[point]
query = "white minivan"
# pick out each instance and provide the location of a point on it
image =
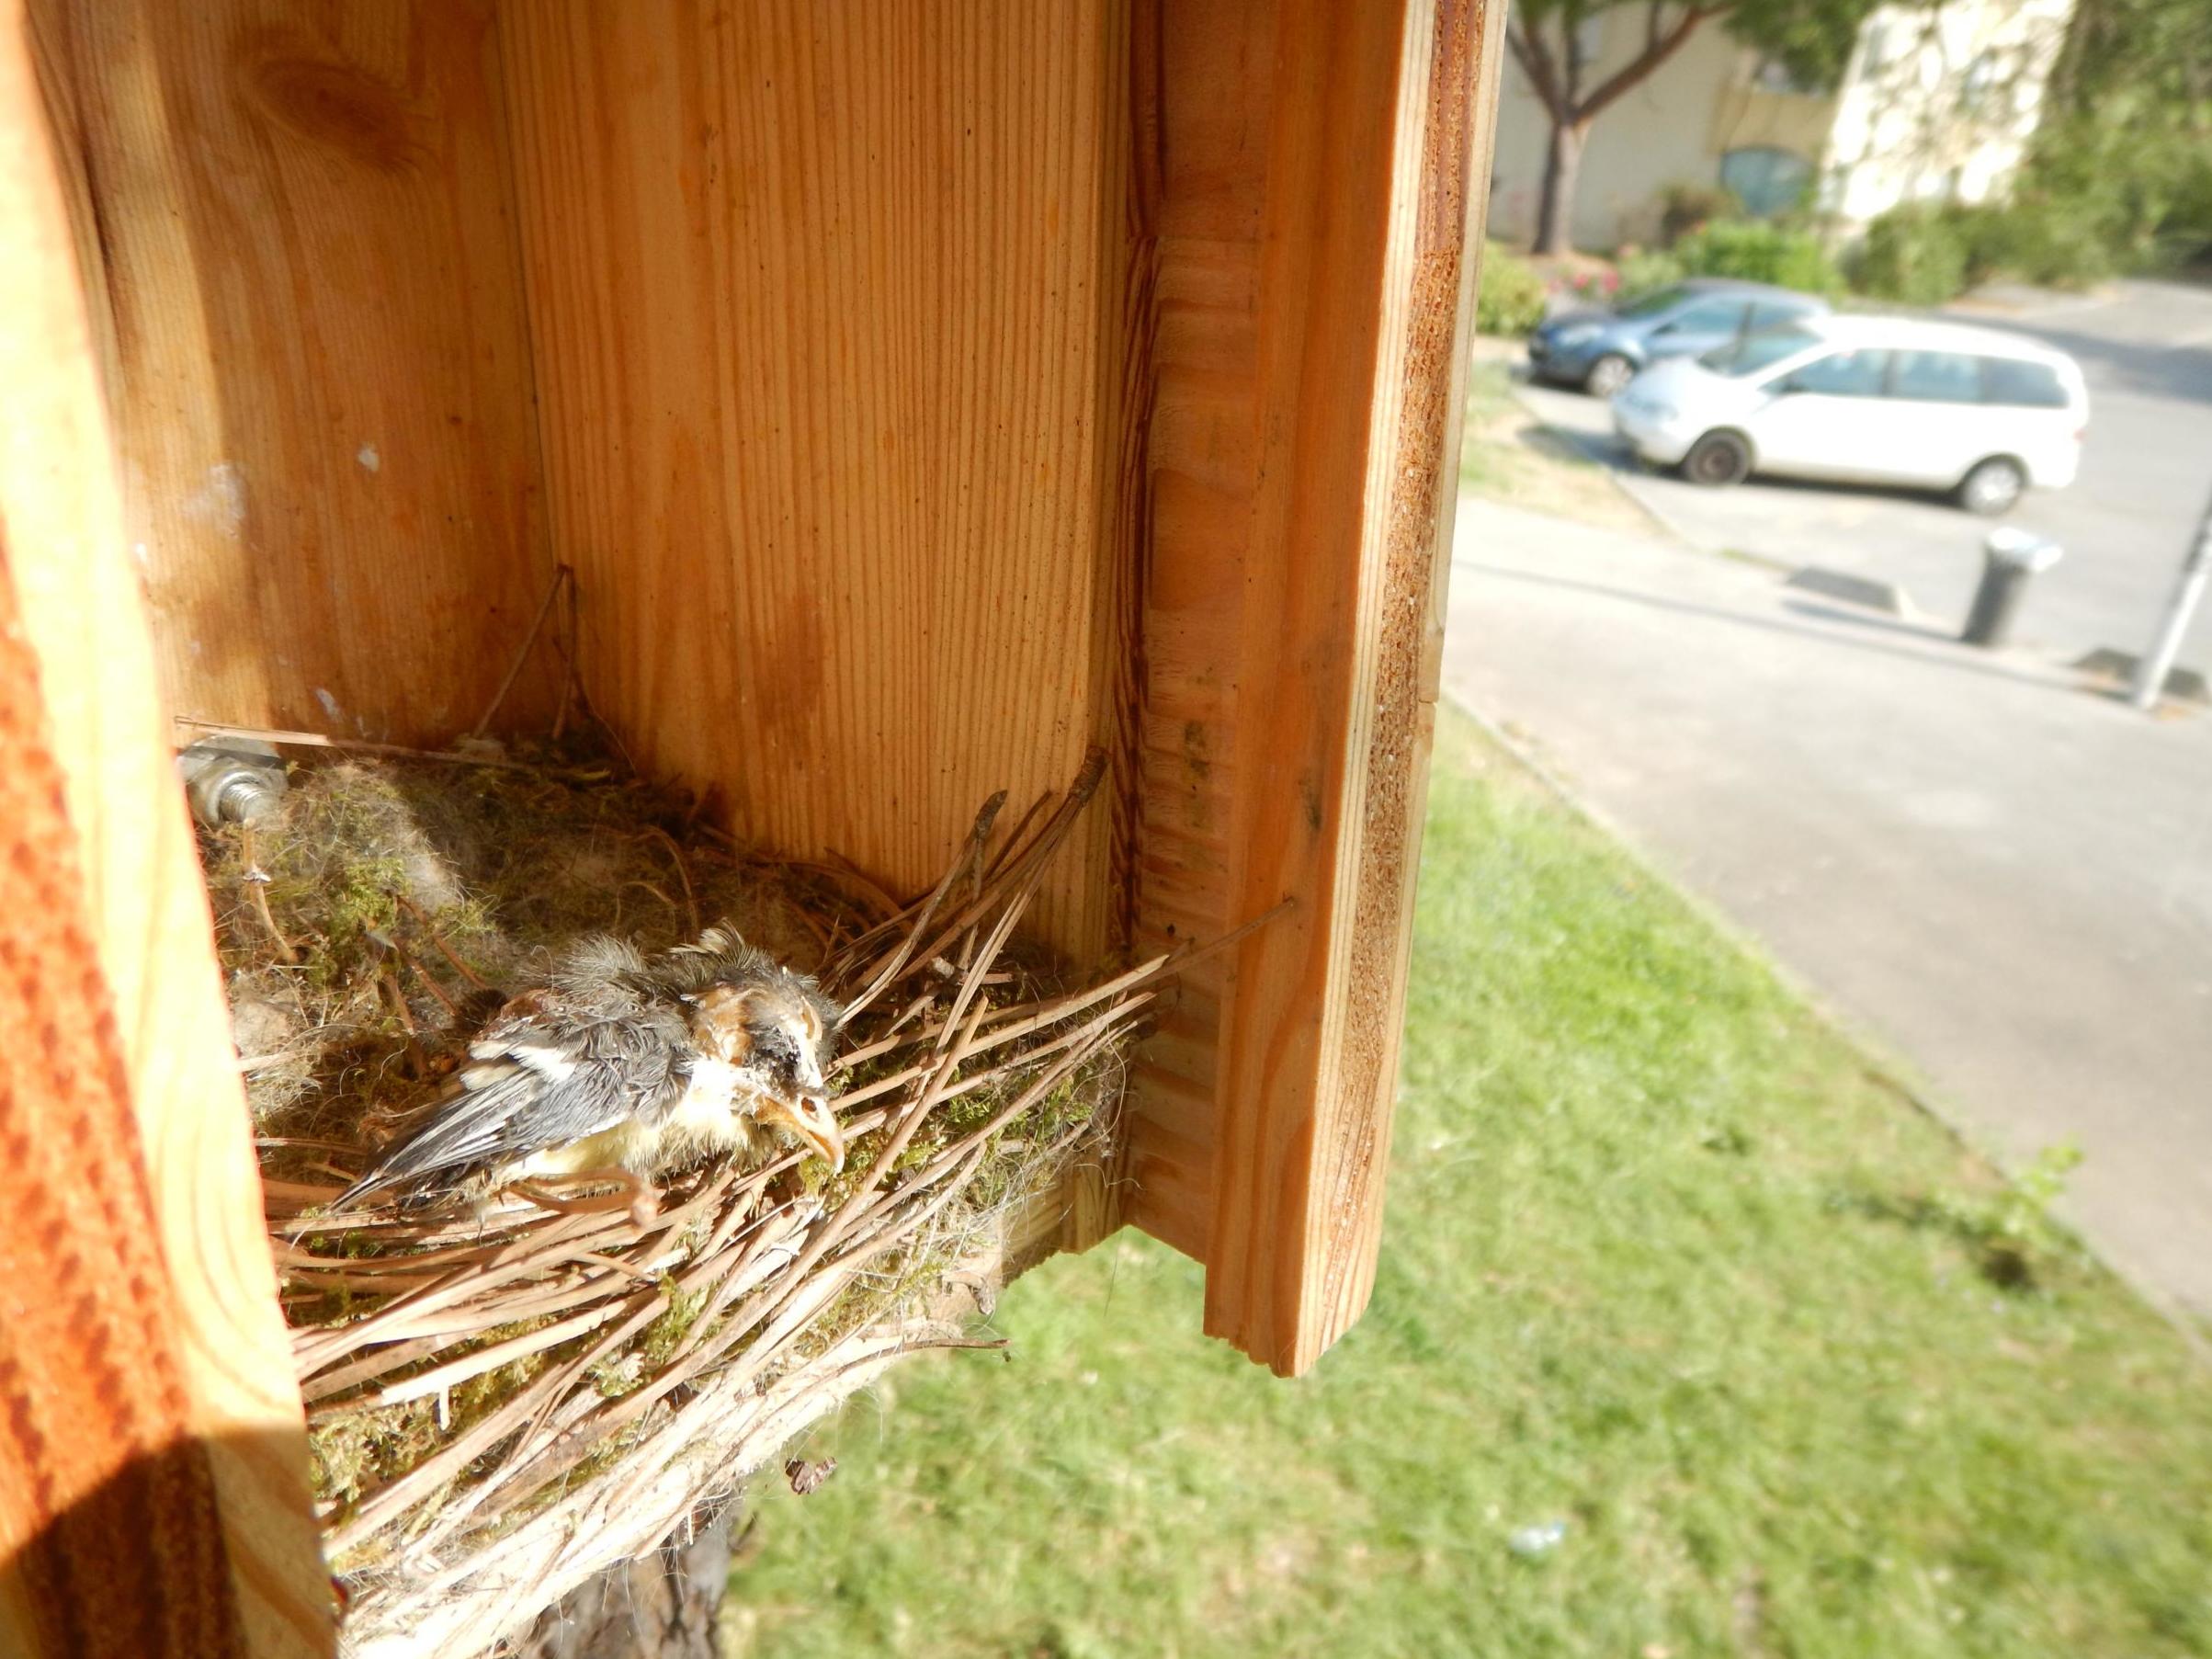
(1869, 400)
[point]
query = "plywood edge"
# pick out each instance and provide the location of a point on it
(1367, 304)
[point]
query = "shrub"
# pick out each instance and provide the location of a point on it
(1647, 273)
(1756, 252)
(1984, 231)
(1915, 253)
(1595, 285)
(1685, 208)
(2055, 242)
(1510, 299)
(1924, 255)
(2127, 186)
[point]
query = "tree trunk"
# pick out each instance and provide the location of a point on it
(663, 1607)
(1562, 164)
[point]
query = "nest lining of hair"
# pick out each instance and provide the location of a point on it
(503, 1403)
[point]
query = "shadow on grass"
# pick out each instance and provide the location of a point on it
(2009, 1241)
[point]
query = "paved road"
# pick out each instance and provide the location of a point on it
(2146, 473)
(2002, 876)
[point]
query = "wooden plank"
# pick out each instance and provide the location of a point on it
(823, 303)
(153, 1455)
(1317, 166)
(306, 283)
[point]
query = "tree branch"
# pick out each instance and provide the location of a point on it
(1535, 58)
(1663, 47)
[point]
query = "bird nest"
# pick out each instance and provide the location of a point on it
(507, 1397)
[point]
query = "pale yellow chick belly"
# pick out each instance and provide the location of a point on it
(706, 1121)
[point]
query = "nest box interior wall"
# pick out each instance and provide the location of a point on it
(296, 226)
(920, 394)
(789, 328)
(822, 306)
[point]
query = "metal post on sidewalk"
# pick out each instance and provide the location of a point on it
(2158, 661)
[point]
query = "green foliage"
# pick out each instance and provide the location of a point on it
(2056, 240)
(2121, 174)
(1510, 298)
(1755, 251)
(2126, 185)
(1922, 254)
(1915, 253)
(1647, 273)
(1684, 207)
(1811, 39)
(1614, 1291)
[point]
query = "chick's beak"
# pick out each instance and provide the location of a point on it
(811, 1120)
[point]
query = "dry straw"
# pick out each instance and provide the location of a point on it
(504, 1404)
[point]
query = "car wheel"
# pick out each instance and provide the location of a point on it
(1994, 487)
(1608, 375)
(1716, 458)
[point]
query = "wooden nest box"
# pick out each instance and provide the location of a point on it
(920, 393)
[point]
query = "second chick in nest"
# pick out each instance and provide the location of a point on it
(624, 1063)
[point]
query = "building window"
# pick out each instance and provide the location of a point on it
(1766, 180)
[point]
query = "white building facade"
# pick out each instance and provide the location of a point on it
(1935, 103)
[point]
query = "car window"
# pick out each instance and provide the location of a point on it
(2026, 385)
(1711, 317)
(1773, 313)
(1757, 351)
(1650, 305)
(1843, 374)
(1936, 377)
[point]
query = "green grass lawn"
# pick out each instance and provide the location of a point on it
(1666, 1260)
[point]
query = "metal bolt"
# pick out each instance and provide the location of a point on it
(231, 779)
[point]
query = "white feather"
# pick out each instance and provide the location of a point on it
(550, 1063)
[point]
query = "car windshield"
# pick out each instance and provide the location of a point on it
(1757, 351)
(1650, 305)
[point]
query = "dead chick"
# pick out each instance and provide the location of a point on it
(620, 1063)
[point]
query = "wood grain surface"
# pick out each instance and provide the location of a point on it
(921, 393)
(821, 302)
(1312, 215)
(153, 1499)
(305, 283)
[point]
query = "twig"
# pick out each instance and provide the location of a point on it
(561, 574)
(316, 740)
(407, 961)
(683, 874)
(444, 950)
(256, 884)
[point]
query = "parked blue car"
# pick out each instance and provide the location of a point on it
(1600, 351)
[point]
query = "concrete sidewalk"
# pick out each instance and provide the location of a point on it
(2004, 878)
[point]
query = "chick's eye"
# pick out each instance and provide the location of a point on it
(773, 1051)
